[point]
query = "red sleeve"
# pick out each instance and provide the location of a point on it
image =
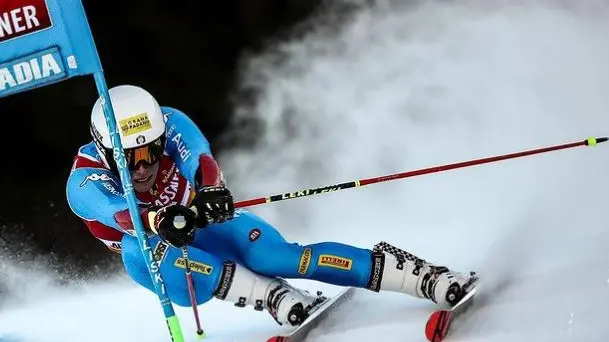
(209, 172)
(108, 235)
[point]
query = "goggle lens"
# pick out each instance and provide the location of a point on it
(148, 154)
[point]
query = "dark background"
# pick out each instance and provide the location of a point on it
(186, 55)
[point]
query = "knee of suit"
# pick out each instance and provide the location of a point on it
(274, 259)
(134, 264)
(205, 270)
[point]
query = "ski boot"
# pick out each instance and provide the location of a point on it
(285, 303)
(396, 270)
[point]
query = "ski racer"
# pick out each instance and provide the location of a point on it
(234, 255)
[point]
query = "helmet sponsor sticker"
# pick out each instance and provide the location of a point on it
(135, 124)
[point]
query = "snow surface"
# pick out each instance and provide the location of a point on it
(402, 87)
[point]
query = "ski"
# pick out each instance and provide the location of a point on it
(439, 322)
(325, 309)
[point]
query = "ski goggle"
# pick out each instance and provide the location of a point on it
(147, 155)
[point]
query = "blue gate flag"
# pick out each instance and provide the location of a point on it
(44, 42)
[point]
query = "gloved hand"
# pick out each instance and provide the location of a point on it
(214, 204)
(175, 224)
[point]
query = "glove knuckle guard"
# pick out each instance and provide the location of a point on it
(214, 204)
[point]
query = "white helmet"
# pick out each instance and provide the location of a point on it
(140, 123)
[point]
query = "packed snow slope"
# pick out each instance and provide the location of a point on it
(400, 87)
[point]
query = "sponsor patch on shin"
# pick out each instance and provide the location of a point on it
(327, 260)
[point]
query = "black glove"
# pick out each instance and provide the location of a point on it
(214, 204)
(175, 224)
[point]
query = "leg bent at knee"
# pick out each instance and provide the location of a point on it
(205, 269)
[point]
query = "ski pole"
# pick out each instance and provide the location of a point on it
(191, 291)
(362, 182)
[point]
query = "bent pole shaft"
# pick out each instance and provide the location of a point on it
(435, 169)
(191, 291)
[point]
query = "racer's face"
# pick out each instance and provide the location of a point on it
(144, 175)
(143, 163)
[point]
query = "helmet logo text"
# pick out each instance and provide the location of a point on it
(135, 124)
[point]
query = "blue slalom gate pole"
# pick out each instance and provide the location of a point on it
(134, 211)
